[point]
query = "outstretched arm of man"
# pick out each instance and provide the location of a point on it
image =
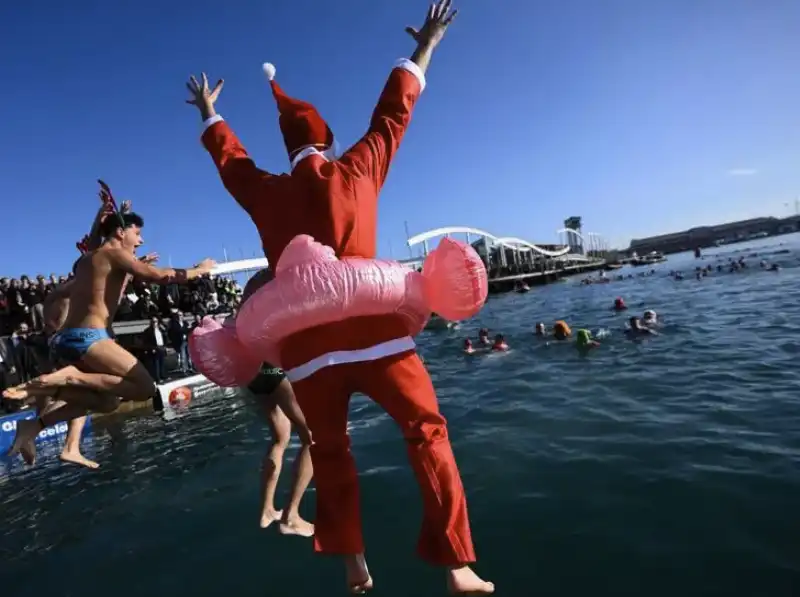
(106, 210)
(144, 270)
(237, 170)
(373, 154)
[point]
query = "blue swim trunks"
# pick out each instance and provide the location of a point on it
(68, 346)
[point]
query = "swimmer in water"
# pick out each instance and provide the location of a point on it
(637, 330)
(468, 348)
(277, 400)
(561, 330)
(483, 337)
(584, 341)
(499, 344)
(540, 330)
(97, 372)
(650, 318)
(619, 304)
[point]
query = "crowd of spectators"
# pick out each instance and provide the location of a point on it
(167, 308)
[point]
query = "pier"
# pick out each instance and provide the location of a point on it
(500, 284)
(510, 261)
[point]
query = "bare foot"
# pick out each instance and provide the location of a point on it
(24, 445)
(27, 390)
(44, 385)
(79, 459)
(296, 526)
(270, 516)
(358, 579)
(464, 581)
(56, 379)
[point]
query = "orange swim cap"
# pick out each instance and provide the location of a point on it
(562, 327)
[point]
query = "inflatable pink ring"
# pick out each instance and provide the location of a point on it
(217, 353)
(313, 287)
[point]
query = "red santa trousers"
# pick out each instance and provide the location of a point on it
(402, 387)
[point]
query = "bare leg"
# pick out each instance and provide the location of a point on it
(292, 523)
(74, 405)
(120, 374)
(273, 461)
(358, 576)
(72, 447)
(71, 376)
(282, 409)
(24, 440)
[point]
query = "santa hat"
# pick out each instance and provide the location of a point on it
(300, 122)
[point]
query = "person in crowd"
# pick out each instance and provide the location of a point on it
(178, 334)
(8, 372)
(97, 372)
(22, 353)
(154, 342)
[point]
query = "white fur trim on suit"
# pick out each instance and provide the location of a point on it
(269, 70)
(340, 357)
(213, 120)
(414, 69)
(328, 154)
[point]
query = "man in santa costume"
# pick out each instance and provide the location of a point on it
(335, 200)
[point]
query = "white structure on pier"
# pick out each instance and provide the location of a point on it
(516, 249)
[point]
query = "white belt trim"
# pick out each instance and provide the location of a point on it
(340, 357)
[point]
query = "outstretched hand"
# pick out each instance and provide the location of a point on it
(436, 22)
(202, 96)
(150, 258)
(206, 266)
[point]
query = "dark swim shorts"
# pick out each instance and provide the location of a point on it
(267, 380)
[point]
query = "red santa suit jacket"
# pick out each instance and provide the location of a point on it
(333, 201)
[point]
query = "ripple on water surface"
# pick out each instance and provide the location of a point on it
(665, 466)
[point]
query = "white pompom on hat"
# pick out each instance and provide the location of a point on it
(269, 70)
(300, 123)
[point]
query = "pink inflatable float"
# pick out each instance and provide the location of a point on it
(313, 287)
(217, 353)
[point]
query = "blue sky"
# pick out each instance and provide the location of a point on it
(640, 116)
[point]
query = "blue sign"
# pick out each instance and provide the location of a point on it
(8, 429)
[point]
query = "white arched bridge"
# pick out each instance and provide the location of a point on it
(510, 261)
(572, 247)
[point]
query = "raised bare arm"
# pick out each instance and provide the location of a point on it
(431, 33)
(143, 270)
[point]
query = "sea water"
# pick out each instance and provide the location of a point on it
(665, 467)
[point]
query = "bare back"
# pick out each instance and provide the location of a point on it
(96, 290)
(56, 307)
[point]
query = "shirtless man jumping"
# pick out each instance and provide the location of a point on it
(56, 308)
(98, 372)
(279, 405)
